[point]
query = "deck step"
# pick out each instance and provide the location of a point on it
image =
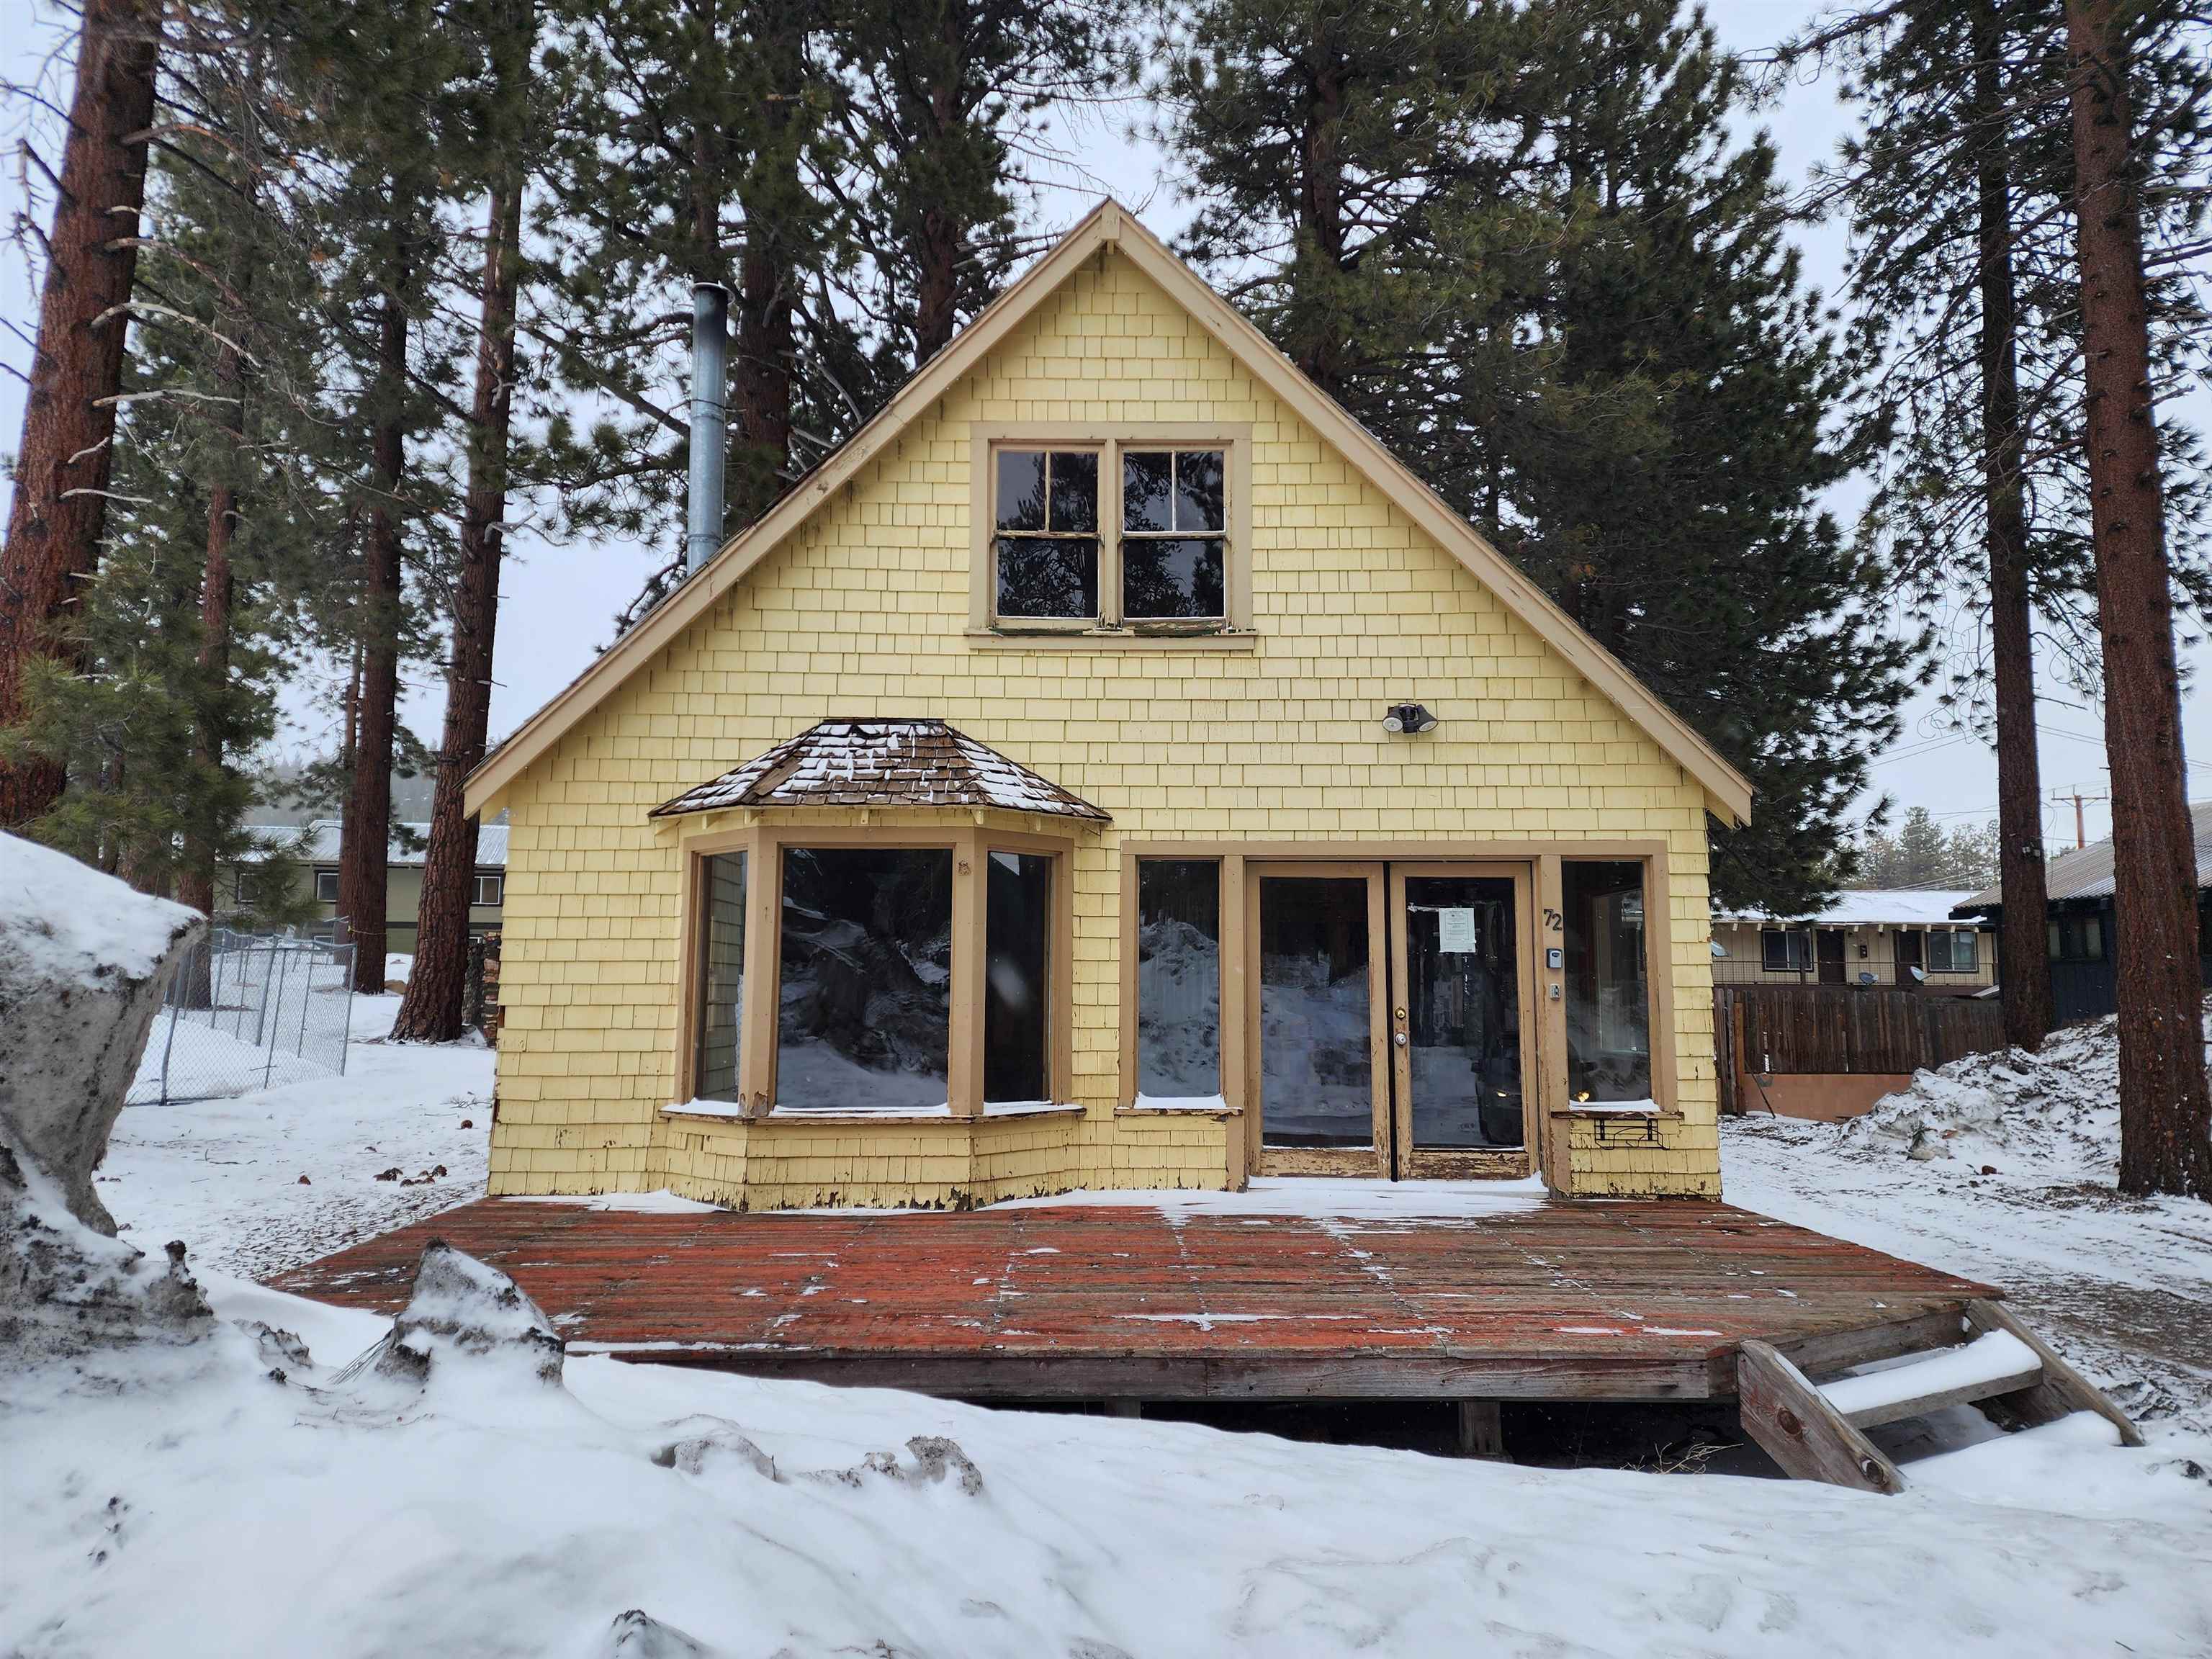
(1995, 1362)
(1815, 1432)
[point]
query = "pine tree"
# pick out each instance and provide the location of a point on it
(945, 97)
(432, 1010)
(171, 675)
(694, 148)
(2166, 1116)
(62, 467)
(1519, 244)
(379, 87)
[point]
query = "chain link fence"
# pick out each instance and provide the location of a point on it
(247, 1012)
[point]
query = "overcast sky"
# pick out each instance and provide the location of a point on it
(556, 601)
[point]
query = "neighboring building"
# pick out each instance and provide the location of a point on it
(1033, 798)
(1865, 937)
(2080, 925)
(315, 848)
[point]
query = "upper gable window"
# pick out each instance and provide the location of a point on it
(1047, 539)
(1107, 534)
(1174, 534)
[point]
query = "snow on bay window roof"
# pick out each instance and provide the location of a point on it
(883, 762)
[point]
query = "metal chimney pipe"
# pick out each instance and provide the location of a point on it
(710, 348)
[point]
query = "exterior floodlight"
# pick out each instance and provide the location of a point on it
(1408, 718)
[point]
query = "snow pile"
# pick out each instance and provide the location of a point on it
(67, 1290)
(66, 921)
(2056, 1109)
(83, 960)
(657, 1512)
(464, 1313)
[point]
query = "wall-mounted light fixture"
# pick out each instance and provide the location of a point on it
(1407, 718)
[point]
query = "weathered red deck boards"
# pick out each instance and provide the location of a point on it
(1603, 1301)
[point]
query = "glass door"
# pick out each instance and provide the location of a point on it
(1460, 989)
(1319, 1013)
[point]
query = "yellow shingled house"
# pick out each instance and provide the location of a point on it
(1111, 769)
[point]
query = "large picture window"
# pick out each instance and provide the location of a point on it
(863, 1011)
(721, 975)
(1017, 978)
(1607, 986)
(1178, 978)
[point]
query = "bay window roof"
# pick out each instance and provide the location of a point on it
(883, 762)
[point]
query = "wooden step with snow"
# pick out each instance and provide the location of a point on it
(1983, 1357)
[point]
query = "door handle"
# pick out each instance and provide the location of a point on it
(1401, 1039)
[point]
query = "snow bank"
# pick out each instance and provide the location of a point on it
(66, 921)
(2056, 1109)
(82, 962)
(219, 1511)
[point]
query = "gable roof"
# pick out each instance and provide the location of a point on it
(1110, 225)
(2086, 873)
(883, 762)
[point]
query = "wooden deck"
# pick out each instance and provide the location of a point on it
(1519, 1301)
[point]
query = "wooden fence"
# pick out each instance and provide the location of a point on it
(1786, 1028)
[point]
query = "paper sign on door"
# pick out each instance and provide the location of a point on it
(1456, 930)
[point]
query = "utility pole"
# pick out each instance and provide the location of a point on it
(2081, 823)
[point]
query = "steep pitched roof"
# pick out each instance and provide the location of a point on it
(2086, 871)
(883, 762)
(1110, 225)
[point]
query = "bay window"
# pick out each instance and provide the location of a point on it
(901, 974)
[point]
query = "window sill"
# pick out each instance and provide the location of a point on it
(1202, 1106)
(725, 1112)
(1632, 1110)
(1109, 639)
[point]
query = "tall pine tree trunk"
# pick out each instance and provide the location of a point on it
(218, 589)
(365, 836)
(1320, 213)
(432, 1010)
(2165, 1142)
(766, 289)
(64, 461)
(939, 236)
(2023, 960)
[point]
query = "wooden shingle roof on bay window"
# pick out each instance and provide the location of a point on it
(883, 762)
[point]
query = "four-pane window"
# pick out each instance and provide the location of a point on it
(1109, 536)
(1047, 534)
(1174, 534)
(1952, 950)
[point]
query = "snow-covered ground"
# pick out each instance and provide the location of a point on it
(265, 1181)
(2020, 1191)
(195, 1504)
(208, 1508)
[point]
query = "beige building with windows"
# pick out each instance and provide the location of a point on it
(313, 851)
(1111, 769)
(1903, 939)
